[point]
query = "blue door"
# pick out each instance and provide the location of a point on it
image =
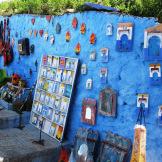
(154, 46)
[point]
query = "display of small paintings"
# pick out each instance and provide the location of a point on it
(107, 102)
(92, 39)
(58, 28)
(92, 56)
(124, 42)
(74, 22)
(160, 115)
(103, 75)
(52, 39)
(68, 36)
(77, 48)
(109, 29)
(53, 93)
(83, 28)
(104, 54)
(89, 111)
(84, 69)
(46, 36)
(142, 100)
(89, 84)
(152, 43)
(155, 74)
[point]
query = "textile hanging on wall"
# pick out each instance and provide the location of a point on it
(139, 146)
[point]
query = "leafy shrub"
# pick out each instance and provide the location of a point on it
(147, 8)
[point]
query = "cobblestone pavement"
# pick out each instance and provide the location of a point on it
(16, 146)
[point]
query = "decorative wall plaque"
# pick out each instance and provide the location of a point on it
(89, 111)
(92, 56)
(75, 23)
(83, 28)
(153, 43)
(155, 74)
(89, 84)
(142, 99)
(109, 29)
(58, 28)
(104, 55)
(84, 69)
(107, 102)
(103, 75)
(124, 41)
(68, 36)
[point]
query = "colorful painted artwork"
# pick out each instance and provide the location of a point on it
(68, 36)
(107, 102)
(104, 55)
(155, 74)
(77, 48)
(109, 29)
(89, 111)
(92, 39)
(124, 42)
(103, 75)
(83, 28)
(74, 22)
(142, 100)
(153, 43)
(53, 93)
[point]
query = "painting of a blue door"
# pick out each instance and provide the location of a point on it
(154, 47)
(124, 44)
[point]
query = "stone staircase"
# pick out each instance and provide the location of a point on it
(17, 145)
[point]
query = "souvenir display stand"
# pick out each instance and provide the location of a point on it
(53, 94)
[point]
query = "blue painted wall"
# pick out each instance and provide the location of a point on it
(127, 71)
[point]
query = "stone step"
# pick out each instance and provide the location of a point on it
(16, 146)
(10, 119)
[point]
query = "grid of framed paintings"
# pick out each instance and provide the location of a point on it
(53, 94)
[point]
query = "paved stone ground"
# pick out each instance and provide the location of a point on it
(10, 119)
(16, 146)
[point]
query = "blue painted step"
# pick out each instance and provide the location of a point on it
(10, 119)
